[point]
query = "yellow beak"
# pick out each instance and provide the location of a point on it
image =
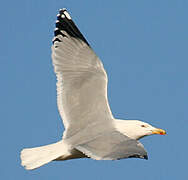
(159, 131)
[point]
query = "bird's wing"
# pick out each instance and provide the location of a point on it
(81, 80)
(112, 146)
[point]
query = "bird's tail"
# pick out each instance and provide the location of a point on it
(33, 158)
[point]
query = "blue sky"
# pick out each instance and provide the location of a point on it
(143, 46)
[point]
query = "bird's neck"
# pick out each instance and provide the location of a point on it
(126, 127)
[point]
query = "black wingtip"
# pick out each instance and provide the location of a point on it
(139, 156)
(145, 157)
(64, 23)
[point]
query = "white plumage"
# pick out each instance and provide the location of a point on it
(35, 157)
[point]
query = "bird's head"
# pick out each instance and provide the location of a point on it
(136, 129)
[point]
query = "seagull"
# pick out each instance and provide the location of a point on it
(91, 131)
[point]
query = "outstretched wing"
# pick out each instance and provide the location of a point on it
(81, 79)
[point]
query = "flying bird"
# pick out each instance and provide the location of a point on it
(91, 131)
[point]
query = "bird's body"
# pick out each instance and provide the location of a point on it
(90, 128)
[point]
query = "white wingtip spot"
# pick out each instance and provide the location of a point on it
(67, 15)
(63, 16)
(57, 21)
(58, 15)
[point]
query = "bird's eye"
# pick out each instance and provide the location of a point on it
(143, 125)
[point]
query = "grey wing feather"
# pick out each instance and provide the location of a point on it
(113, 146)
(81, 79)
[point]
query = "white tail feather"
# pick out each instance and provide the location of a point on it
(35, 157)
